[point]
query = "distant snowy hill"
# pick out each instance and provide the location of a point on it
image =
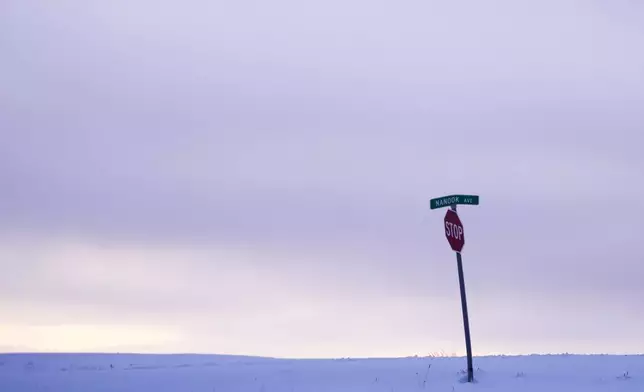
(222, 373)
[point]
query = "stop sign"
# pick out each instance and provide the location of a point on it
(454, 231)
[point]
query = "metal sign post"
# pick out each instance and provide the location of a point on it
(455, 235)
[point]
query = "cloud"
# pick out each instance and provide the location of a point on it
(274, 162)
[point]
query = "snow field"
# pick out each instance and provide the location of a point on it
(217, 373)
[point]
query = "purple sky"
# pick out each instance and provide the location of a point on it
(254, 177)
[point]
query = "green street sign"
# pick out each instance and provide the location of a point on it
(447, 201)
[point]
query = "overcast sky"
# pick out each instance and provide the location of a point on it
(253, 177)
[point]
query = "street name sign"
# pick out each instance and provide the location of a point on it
(453, 200)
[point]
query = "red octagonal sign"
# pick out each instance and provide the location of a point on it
(454, 231)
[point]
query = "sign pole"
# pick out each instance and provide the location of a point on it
(466, 320)
(455, 234)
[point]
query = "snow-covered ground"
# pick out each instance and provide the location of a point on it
(215, 373)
